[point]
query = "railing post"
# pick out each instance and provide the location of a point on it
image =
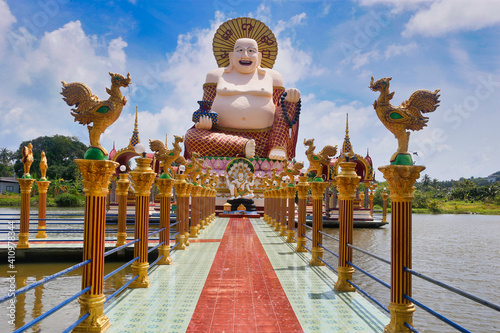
(96, 177)
(347, 183)
(142, 177)
(180, 190)
(195, 210)
(290, 194)
(187, 212)
(272, 208)
(266, 204)
(318, 188)
(401, 179)
(302, 189)
(212, 202)
(122, 186)
(372, 187)
(384, 205)
(279, 203)
(165, 190)
(283, 224)
(204, 199)
(24, 229)
(43, 186)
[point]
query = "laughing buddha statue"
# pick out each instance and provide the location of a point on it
(246, 111)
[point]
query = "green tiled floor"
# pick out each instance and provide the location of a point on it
(167, 306)
(310, 290)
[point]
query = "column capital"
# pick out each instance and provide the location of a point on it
(25, 184)
(165, 186)
(318, 188)
(43, 186)
(96, 175)
(122, 184)
(143, 176)
(401, 179)
(347, 181)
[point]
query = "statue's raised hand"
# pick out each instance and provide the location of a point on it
(204, 123)
(292, 95)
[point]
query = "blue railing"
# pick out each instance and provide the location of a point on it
(417, 274)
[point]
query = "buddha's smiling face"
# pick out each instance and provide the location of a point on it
(246, 57)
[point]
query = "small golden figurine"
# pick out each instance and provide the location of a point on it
(43, 166)
(27, 159)
(322, 158)
(407, 116)
(90, 109)
(293, 171)
(168, 156)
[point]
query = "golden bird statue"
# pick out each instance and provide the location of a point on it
(168, 156)
(27, 159)
(90, 109)
(407, 116)
(320, 159)
(43, 166)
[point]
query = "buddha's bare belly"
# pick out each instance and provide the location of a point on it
(244, 111)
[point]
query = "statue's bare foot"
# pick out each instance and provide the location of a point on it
(277, 154)
(250, 149)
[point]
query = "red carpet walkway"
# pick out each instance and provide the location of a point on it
(242, 292)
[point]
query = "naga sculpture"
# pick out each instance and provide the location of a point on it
(90, 109)
(318, 160)
(407, 116)
(168, 156)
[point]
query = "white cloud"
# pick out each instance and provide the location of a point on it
(5, 25)
(398, 49)
(447, 16)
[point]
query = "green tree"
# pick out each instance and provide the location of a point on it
(60, 151)
(6, 165)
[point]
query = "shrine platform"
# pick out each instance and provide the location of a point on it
(239, 276)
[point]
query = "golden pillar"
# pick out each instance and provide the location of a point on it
(347, 183)
(266, 204)
(43, 186)
(180, 190)
(272, 207)
(187, 214)
(276, 208)
(361, 200)
(24, 230)
(290, 195)
(122, 186)
(142, 178)
(401, 179)
(204, 205)
(384, 205)
(195, 210)
(372, 188)
(283, 224)
(318, 189)
(165, 190)
(96, 178)
(202, 223)
(279, 203)
(214, 196)
(302, 189)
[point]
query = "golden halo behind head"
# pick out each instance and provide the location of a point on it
(244, 27)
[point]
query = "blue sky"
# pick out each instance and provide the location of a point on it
(327, 49)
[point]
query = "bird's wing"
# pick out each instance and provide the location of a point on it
(158, 147)
(423, 100)
(329, 150)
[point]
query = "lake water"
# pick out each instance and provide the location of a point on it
(459, 250)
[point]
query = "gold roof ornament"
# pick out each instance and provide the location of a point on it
(244, 27)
